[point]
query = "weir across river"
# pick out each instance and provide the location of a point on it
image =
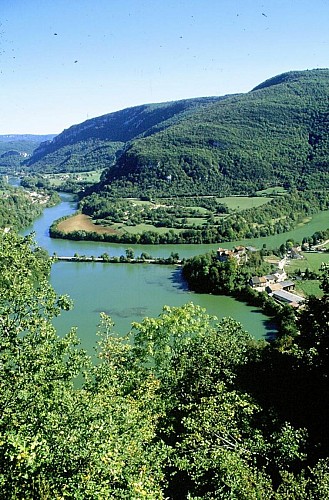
(118, 260)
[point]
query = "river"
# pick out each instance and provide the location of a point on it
(128, 292)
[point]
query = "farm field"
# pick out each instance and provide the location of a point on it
(81, 222)
(136, 216)
(311, 261)
(308, 287)
(239, 203)
(57, 180)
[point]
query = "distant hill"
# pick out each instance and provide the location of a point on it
(98, 142)
(15, 148)
(31, 138)
(276, 134)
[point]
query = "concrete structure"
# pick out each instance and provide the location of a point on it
(288, 298)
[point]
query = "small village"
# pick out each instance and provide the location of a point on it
(277, 284)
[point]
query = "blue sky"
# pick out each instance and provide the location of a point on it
(64, 61)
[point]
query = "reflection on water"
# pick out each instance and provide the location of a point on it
(128, 293)
(128, 312)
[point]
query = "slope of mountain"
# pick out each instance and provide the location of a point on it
(277, 134)
(96, 143)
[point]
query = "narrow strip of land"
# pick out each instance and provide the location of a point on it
(117, 260)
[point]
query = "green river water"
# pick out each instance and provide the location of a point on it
(129, 292)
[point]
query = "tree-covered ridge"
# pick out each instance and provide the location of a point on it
(96, 142)
(291, 76)
(85, 155)
(22, 142)
(184, 407)
(273, 135)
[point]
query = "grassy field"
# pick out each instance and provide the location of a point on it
(196, 220)
(139, 228)
(138, 202)
(273, 191)
(201, 210)
(89, 177)
(233, 202)
(272, 259)
(311, 261)
(239, 203)
(308, 287)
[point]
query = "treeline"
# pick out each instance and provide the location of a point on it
(318, 237)
(128, 258)
(184, 407)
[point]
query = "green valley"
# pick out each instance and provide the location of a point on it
(186, 158)
(164, 250)
(185, 405)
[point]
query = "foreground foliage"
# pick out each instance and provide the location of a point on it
(61, 436)
(186, 407)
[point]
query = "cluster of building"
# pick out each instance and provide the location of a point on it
(38, 197)
(277, 284)
(239, 253)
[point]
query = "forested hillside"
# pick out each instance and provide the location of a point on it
(14, 148)
(276, 134)
(98, 142)
(19, 208)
